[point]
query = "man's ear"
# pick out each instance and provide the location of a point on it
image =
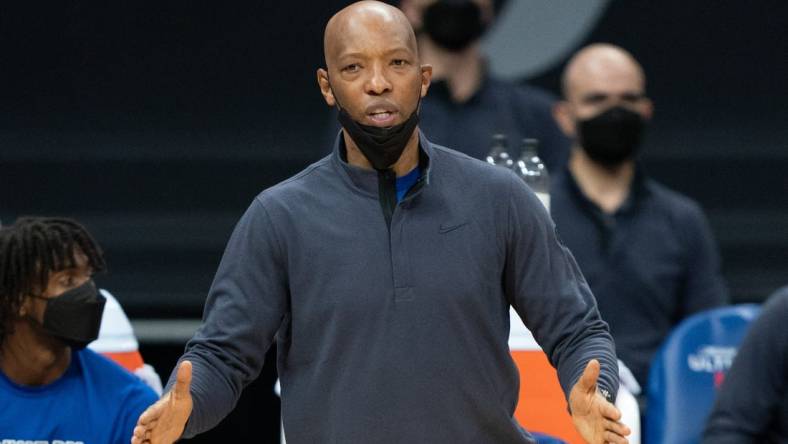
(426, 78)
(24, 308)
(562, 114)
(648, 109)
(325, 87)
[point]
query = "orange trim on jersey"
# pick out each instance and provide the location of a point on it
(131, 361)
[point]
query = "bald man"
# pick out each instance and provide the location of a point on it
(385, 272)
(646, 251)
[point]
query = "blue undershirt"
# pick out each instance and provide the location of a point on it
(405, 182)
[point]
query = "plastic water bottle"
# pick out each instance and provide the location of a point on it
(499, 153)
(531, 169)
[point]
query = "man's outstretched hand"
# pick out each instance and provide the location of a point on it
(164, 421)
(596, 419)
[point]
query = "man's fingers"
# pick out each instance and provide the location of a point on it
(139, 431)
(610, 411)
(589, 377)
(151, 414)
(183, 381)
(140, 435)
(157, 421)
(615, 438)
(617, 428)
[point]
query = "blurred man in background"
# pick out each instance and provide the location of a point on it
(752, 404)
(52, 388)
(467, 104)
(646, 251)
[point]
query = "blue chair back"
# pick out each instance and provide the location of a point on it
(687, 370)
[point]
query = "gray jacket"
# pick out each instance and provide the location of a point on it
(393, 334)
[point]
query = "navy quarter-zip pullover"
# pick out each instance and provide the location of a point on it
(398, 333)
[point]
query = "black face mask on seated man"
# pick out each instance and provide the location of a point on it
(612, 136)
(454, 24)
(74, 316)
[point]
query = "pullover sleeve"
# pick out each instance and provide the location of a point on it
(247, 303)
(545, 286)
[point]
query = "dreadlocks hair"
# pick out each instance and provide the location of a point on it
(33, 248)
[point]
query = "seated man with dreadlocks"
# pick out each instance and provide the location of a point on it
(53, 389)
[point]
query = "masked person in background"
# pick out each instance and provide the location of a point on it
(646, 251)
(467, 104)
(52, 388)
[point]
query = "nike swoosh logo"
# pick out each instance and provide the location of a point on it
(447, 228)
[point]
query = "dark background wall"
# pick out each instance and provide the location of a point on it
(156, 123)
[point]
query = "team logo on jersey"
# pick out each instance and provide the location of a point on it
(712, 359)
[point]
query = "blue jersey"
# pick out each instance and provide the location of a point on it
(94, 402)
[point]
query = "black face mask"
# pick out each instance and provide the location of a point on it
(381, 146)
(453, 24)
(75, 316)
(611, 136)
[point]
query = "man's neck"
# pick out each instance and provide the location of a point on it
(462, 71)
(28, 360)
(406, 163)
(607, 186)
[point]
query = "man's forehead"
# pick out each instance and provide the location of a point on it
(365, 28)
(608, 78)
(75, 262)
(376, 40)
(80, 258)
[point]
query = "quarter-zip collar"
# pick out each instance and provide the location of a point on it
(365, 181)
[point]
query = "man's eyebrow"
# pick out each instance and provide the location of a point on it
(398, 49)
(72, 270)
(61, 273)
(603, 95)
(349, 55)
(594, 95)
(633, 94)
(361, 55)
